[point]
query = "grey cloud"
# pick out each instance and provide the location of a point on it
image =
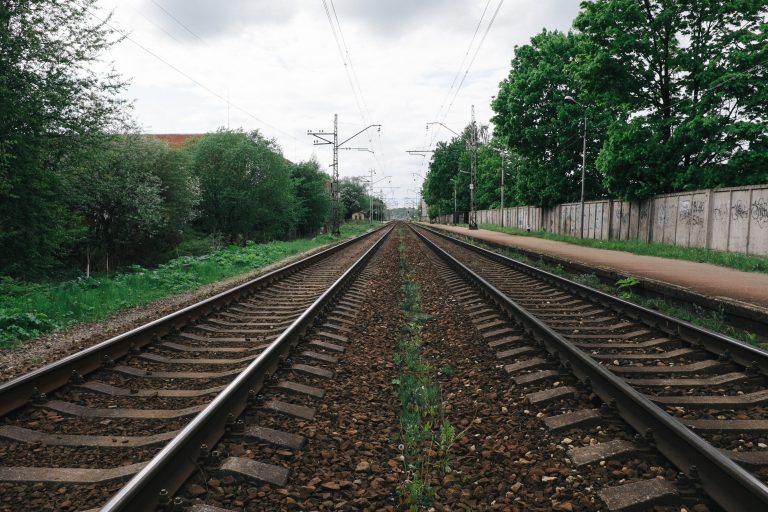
(212, 18)
(395, 16)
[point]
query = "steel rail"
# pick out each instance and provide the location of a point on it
(715, 343)
(724, 481)
(168, 470)
(19, 391)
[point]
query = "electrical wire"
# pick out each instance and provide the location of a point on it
(125, 35)
(174, 18)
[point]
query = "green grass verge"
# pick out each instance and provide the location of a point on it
(28, 310)
(427, 436)
(737, 261)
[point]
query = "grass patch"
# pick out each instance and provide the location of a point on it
(747, 263)
(28, 310)
(427, 436)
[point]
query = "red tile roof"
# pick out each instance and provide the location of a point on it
(177, 140)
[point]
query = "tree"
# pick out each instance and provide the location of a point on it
(52, 101)
(133, 197)
(245, 186)
(311, 188)
(687, 78)
(353, 197)
(544, 131)
(450, 161)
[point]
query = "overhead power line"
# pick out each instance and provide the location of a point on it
(351, 73)
(174, 18)
(125, 35)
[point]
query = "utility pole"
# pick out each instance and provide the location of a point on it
(335, 209)
(503, 155)
(473, 172)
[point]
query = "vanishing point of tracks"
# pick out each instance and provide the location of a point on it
(146, 404)
(696, 397)
(604, 405)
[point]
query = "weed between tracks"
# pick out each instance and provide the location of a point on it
(427, 436)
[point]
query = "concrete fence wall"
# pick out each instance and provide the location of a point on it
(727, 219)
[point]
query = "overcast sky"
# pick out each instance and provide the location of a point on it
(278, 64)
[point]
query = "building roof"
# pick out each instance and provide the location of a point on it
(177, 140)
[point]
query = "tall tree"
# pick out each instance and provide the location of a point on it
(312, 189)
(245, 186)
(353, 196)
(534, 121)
(688, 78)
(51, 100)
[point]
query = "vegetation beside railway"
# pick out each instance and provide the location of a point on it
(28, 310)
(738, 261)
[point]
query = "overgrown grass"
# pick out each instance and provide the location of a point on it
(427, 436)
(708, 319)
(28, 310)
(747, 263)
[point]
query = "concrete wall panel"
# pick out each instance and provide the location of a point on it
(758, 228)
(740, 216)
(720, 223)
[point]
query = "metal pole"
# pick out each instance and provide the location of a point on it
(502, 190)
(473, 162)
(583, 169)
(335, 209)
(454, 202)
(370, 196)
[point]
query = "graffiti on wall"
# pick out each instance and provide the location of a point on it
(759, 212)
(692, 212)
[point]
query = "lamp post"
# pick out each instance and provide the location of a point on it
(503, 155)
(571, 99)
(473, 165)
(454, 199)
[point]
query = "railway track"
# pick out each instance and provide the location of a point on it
(694, 396)
(145, 405)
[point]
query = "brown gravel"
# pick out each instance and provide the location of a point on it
(350, 460)
(38, 352)
(508, 460)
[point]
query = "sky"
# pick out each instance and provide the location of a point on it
(197, 65)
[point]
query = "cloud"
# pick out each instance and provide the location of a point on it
(210, 19)
(390, 17)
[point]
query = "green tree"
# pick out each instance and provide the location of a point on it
(353, 197)
(52, 102)
(450, 161)
(312, 189)
(687, 78)
(245, 186)
(542, 130)
(134, 197)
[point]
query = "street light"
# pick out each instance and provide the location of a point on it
(473, 163)
(571, 99)
(454, 200)
(441, 124)
(503, 154)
